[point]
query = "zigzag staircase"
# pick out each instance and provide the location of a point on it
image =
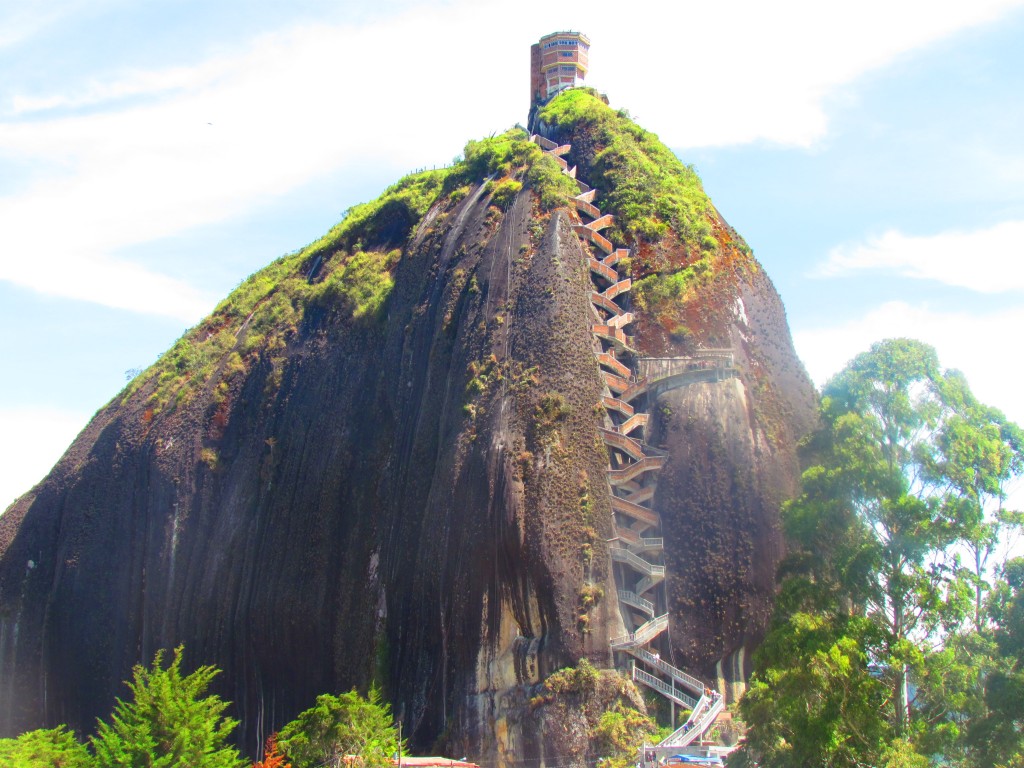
(633, 465)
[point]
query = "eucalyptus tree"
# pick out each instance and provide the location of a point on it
(903, 471)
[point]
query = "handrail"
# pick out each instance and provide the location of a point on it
(643, 634)
(617, 337)
(543, 143)
(617, 321)
(611, 362)
(616, 256)
(623, 555)
(640, 495)
(647, 582)
(634, 421)
(627, 473)
(700, 720)
(628, 445)
(603, 270)
(614, 404)
(689, 681)
(635, 511)
(601, 222)
(615, 383)
(604, 302)
(586, 207)
(653, 368)
(632, 598)
(646, 544)
(620, 287)
(664, 688)
(595, 237)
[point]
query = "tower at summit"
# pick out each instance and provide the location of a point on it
(557, 61)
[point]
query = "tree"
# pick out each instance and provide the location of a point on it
(899, 475)
(813, 699)
(55, 748)
(169, 723)
(999, 736)
(337, 726)
(978, 450)
(620, 733)
(271, 757)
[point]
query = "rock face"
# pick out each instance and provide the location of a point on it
(415, 494)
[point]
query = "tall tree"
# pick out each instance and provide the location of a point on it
(999, 736)
(977, 451)
(899, 474)
(169, 723)
(337, 726)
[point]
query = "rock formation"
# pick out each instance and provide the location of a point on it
(380, 459)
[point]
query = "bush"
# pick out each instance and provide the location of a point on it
(643, 183)
(504, 192)
(337, 726)
(169, 722)
(55, 748)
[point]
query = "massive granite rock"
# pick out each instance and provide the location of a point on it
(321, 488)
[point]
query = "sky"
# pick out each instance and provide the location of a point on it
(153, 154)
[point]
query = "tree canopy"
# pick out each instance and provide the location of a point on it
(54, 748)
(337, 726)
(169, 723)
(880, 637)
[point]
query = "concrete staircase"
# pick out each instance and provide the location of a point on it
(633, 465)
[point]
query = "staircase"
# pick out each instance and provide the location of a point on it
(633, 465)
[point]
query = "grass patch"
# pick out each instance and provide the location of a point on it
(348, 271)
(642, 182)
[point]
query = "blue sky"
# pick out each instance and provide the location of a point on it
(154, 154)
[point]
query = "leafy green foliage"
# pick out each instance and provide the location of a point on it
(349, 270)
(998, 737)
(669, 291)
(513, 153)
(390, 218)
(644, 184)
(361, 283)
(553, 188)
(337, 726)
(874, 598)
(620, 733)
(54, 748)
(581, 679)
(813, 700)
(170, 722)
(504, 191)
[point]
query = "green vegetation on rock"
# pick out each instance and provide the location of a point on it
(349, 270)
(608, 704)
(661, 292)
(641, 181)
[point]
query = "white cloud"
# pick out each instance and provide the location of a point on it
(21, 21)
(986, 260)
(972, 343)
(713, 74)
(36, 438)
(134, 83)
(318, 100)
